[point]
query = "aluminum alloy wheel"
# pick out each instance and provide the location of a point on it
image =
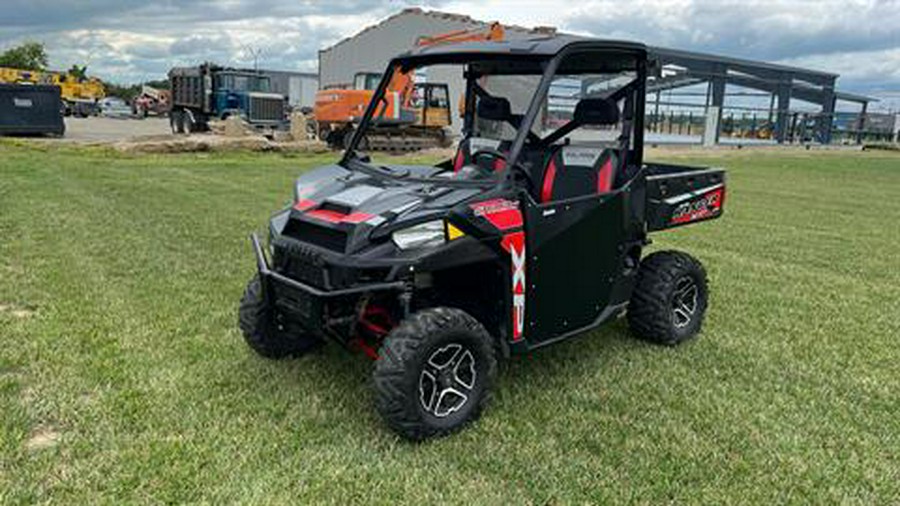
(684, 301)
(447, 380)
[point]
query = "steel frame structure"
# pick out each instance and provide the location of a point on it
(688, 68)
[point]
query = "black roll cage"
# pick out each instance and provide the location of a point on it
(633, 115)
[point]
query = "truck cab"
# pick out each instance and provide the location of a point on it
(207, 92)
(245, 93)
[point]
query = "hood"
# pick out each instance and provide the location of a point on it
(344, 210)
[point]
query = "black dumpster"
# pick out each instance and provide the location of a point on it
(29, 109)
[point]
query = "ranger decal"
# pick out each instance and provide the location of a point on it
(706, 206)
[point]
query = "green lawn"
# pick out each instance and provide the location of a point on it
(123, 378)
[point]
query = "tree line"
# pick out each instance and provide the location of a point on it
(32, 55)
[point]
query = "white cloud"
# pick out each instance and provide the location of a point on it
(132, 40)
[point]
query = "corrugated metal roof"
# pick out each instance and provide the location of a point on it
(458, 18)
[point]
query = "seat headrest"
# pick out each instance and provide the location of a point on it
(596, 111)
(494, 108)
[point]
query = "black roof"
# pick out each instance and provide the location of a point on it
(534, 49)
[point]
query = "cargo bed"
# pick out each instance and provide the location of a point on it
(680, 194)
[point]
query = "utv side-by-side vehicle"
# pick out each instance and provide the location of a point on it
(532, 233)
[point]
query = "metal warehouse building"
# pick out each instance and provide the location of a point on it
(371, 49)
(709, 79)
(299, 87)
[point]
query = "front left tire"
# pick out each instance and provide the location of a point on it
(264, 332)
(434, 373)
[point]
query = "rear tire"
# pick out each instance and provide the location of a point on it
(176, 121)
(669, 299)
(267, 337)
(190, 126)
(434, 373)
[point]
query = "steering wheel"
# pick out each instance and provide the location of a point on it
(491, 153)
(499, 155)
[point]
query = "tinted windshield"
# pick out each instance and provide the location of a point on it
(421, 107)
(485, 114)
(243, 82)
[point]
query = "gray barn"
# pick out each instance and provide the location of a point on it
(370, 49)
(299, 87)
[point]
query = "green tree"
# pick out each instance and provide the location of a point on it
(126, 92)
(26, 56)
(80, 73)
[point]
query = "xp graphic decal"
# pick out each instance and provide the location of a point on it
(514, 243)
(505, 215)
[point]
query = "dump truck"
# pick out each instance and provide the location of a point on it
(208, 91)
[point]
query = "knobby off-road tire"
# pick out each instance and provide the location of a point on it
(265, 336)
(669, 299)
(434, 373)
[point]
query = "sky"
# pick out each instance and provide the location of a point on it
(128, 41)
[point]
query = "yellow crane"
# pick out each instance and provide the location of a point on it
(79, 95)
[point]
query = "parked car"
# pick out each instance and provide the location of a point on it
(114, 107)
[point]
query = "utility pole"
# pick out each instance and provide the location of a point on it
(254, 52)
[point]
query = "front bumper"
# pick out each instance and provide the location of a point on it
(308, 304)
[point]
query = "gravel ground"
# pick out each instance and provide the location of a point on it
(99, 129)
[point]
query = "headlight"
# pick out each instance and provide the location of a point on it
(303, 190)
(423, 235)
(299, 191)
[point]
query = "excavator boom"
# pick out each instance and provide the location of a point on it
(336, 110)
(493, 32)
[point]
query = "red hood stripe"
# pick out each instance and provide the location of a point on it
(304, 205)
(336, 217)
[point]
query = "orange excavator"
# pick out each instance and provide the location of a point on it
(414, 116)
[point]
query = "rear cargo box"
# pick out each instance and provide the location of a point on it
(30, 109)
(188, 87)
(678, 195)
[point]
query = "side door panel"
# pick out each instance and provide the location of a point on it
(574, 256)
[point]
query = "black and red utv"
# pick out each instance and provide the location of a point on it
(530, 234)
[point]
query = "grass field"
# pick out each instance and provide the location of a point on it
(123, 378)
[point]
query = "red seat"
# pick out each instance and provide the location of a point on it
(574, 171)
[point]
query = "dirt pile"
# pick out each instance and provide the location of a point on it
(196, 143)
